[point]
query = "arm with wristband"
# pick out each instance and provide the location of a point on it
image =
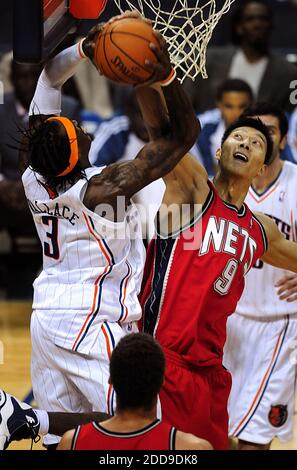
(47, 97)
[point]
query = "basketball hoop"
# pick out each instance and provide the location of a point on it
(187, 26)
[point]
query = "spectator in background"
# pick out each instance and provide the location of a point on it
(249, 58)
(233, 96)
(122, 135)
(14, 214)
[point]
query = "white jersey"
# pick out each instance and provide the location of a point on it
(279, 202)
(92, 267)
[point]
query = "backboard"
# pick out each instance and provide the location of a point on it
(40, 25)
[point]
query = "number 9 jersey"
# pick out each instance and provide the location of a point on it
(194, 278)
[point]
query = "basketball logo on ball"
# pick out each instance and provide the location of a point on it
(122, 48)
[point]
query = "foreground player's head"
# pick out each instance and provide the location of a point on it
(137, 372)
(276, 122)
(58, 150)
(246, 149)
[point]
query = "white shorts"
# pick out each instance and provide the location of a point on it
(68, 381)
(261, 356)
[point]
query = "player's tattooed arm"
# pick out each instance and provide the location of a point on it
(172, 140)
(124, 179)
(281, 253)
(155, 112)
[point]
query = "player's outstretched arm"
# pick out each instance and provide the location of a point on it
(155, 115)
(281, 253)
(171, 142)
(47, 97)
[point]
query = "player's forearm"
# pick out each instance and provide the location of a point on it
(153, 109)
(59, 423)
(59, 69)
(290, 257)
(47, 97)
(282, 254)
(184, 123)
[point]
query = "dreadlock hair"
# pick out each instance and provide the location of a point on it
(49, 151)
(255, 124)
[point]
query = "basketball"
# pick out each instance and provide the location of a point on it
(122, 48)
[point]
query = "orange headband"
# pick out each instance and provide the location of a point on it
(72, 136)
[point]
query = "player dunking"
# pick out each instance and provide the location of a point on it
(197, 289)
(137, 372)
(85, 298)
(189, 290)
(261, 336)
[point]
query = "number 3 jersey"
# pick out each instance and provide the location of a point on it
(194, 279)
(279, 202)
(92, 267)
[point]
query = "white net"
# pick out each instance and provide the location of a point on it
(187, 26)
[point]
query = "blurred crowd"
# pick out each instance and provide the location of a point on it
(241, 73)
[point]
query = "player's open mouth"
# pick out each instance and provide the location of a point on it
(241, 156)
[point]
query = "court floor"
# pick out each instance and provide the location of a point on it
(15, 350)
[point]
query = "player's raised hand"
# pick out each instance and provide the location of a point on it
(89, 42)
(130, 14)
(162, 69)
(287, 288)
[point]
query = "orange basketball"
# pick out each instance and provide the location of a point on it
(122, 48)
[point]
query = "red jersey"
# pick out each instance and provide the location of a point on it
(156, 436)
(194, 279)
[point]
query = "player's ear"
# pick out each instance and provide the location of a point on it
(109, 381)
(283, 142)
(218, 154)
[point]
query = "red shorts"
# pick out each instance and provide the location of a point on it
(195, 400)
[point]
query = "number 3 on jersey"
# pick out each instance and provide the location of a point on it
(51, 248)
